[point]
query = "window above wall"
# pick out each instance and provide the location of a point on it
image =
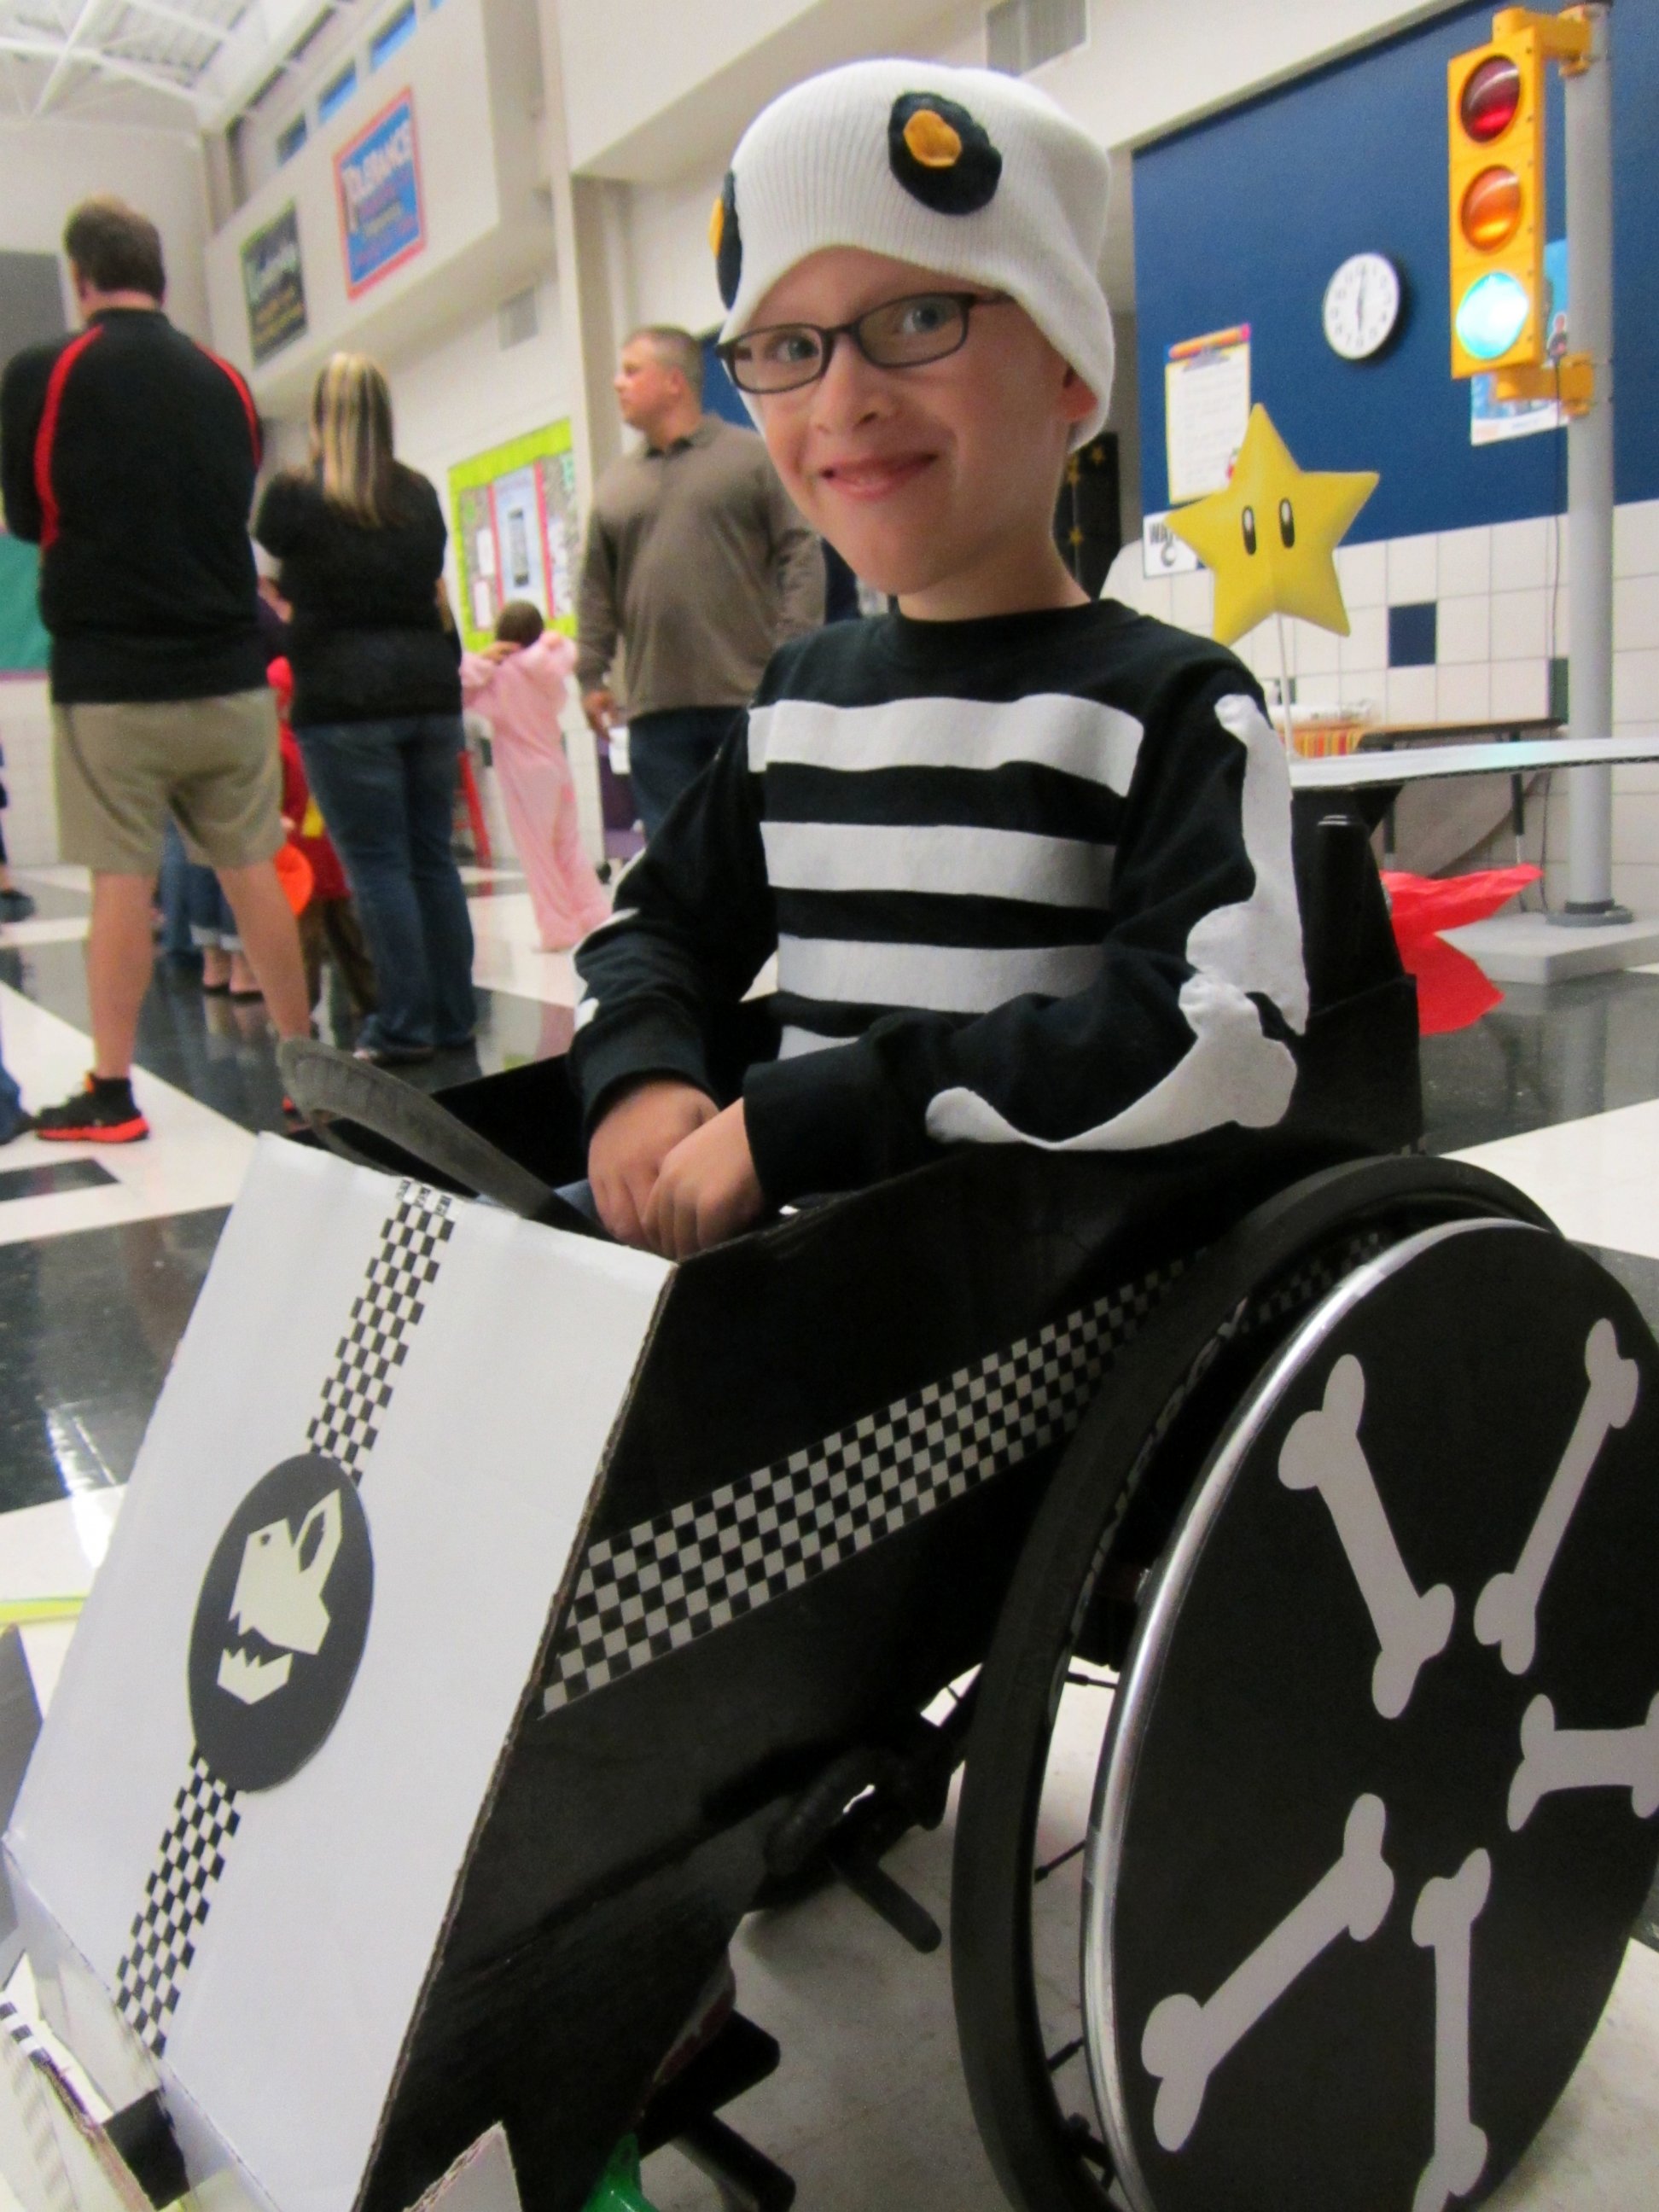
(291, 137)
(335, 94)
(398, 26)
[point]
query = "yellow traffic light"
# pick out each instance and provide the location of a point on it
(1495, 121)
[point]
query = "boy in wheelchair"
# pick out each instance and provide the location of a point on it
(1024, 859)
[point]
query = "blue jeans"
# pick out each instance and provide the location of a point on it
(669, 749)
(387, 794)
(212, 924)
(11, 1105)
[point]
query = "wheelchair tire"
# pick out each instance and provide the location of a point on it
(1149, 1431)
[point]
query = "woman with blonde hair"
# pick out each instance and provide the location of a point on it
(377, 700)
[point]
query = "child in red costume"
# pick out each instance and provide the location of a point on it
(328, 922)
(519, 685)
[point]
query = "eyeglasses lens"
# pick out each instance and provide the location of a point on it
(900, 334)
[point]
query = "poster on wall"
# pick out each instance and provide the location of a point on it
(513, 514)
(1492, 420)
(377, 180)
(1207, 408)
(274, 285)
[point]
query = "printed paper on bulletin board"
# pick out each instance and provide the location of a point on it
(513, 512)
(1207, 409)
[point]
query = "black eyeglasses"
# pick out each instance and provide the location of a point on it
(899, 334)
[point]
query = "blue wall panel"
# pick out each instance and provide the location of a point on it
(1243, 219)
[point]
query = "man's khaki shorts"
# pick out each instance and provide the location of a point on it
(212, 764)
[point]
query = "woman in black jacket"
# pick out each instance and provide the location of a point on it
(377, 700)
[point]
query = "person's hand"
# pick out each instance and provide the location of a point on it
(706, 1189)
(500, 648)
(630, 1145)
(600, 709)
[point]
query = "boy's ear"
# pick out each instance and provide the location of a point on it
(1077, 399)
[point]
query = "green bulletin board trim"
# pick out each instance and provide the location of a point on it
(24, 644)
(473, 474)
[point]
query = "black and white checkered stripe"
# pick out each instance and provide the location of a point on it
(666, 1581)
(355, 1394)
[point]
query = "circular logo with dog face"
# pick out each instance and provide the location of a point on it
(281, 1623)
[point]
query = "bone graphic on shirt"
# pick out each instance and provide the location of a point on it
(279, 1596)
(1507, 1612)
(1185, 2041)
(1324, 1452)
(1444, 1922)
(1584, 1758)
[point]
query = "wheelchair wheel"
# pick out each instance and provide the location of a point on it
(1047, 1691)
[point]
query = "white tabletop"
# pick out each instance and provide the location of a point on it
(1417, 763)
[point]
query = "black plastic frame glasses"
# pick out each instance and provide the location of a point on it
(877, 333)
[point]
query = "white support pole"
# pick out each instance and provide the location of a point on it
(1589, 477)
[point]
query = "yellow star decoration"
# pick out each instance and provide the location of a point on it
(1269, 537)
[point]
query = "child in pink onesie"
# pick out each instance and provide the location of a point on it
(519, 685)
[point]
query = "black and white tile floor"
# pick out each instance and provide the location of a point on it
(102, 1253)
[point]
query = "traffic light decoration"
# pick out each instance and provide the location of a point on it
(1495, 102)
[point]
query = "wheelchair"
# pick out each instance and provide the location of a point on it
(1265, 1530)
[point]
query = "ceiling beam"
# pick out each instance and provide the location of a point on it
(65, 57)
(39, 50)
(197, 26)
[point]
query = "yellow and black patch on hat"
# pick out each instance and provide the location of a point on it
(940, 156)
(726, 240)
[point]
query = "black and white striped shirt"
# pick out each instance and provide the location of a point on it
(1028, 879)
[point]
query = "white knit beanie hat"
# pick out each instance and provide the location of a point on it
(962, 170)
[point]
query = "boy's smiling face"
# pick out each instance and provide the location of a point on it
(936, 483)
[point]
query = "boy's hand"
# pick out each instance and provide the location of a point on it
(706, 1189)
(628, 1148)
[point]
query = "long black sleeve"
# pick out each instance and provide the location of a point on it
(23, 399)
(693, 924)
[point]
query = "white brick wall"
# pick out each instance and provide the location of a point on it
(1503, 612)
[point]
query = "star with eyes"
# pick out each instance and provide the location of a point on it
(1270, 538)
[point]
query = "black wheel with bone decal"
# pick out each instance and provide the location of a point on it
(1342, 1597)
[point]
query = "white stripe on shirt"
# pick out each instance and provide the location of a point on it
(942, 979)
(940, 858)
(1079, 736)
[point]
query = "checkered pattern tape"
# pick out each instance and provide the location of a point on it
(359, 1389)
(177, 1895)
(356, 1392)
(669, 1581)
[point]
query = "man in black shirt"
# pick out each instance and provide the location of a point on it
(129, 454)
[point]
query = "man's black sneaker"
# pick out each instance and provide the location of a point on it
(105, 1112)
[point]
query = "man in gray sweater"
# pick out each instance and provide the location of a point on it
(696, 563)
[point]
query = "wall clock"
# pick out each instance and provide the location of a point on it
(1362, 305)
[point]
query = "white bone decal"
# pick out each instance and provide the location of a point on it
(1184, 2042)
(1507, 1613)
(279, 1596)
(1324, 1452)
(1584, 1758)
(1444, 1922)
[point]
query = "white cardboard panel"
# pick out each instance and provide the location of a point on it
(321, 1931)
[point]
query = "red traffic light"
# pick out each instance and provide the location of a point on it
(1491, 212)
(1490, 95)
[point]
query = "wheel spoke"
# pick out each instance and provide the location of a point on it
(1066, 2053)
(1086, 2143)
(1054, 1865)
